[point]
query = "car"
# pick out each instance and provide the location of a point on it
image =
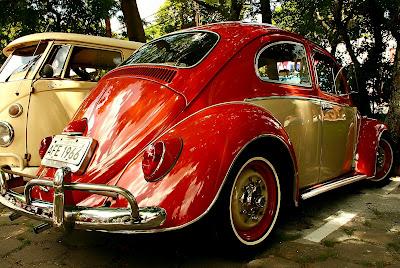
(233, 120)
(43, 81)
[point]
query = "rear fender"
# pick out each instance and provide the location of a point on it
(370, 133)
(212, 140)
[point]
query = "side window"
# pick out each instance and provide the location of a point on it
(284, 63)
(327, 72)
(90, 64)
(57, 59)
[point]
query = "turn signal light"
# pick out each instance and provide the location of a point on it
(44, 145)
(15, 110)
(160, 157)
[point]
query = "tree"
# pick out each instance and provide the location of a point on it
(349, 22)
(133, 21)
(22, 17)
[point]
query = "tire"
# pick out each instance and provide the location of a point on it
(384, 162)
(250, 203)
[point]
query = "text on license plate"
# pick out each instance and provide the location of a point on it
(71, 150)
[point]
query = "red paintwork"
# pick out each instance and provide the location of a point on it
(370, 132)
(128, 111)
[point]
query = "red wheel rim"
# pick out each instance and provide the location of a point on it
(384, 160)
(251, 221)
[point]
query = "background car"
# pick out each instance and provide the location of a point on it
(43, 81)
(231, 120)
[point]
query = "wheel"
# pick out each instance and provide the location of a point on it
(384, 161)
(251, 204)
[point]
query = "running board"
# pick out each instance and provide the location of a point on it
(331, 185)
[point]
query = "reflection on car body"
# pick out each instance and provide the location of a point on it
(238, 120)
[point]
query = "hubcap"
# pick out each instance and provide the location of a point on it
(254, 201)
(249, 199)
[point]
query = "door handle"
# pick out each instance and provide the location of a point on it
(326, 106)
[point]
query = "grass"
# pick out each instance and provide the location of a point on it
(323, 256)
(24, 242)
(349, 231)
(328, 243)
(395, 246)
(285, 236)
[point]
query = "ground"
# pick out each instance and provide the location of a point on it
(370, 237)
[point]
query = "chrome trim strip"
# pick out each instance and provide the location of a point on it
(313, 98)
(331, 186)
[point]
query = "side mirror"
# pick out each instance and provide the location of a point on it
(47, 71)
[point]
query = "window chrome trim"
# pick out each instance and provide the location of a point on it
(306, 87)
(173, 66)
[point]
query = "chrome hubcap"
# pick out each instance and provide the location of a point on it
(250, 199)
(380, 160)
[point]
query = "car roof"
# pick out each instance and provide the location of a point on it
(245, 30)
(33, 39)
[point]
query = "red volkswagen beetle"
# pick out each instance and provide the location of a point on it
(233, 117)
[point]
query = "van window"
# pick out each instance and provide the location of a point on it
(90, 64)
(21, 62)
(57, 59)
(284, 62)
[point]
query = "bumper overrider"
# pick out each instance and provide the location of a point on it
(126, 220)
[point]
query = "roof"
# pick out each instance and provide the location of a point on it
(33, 39)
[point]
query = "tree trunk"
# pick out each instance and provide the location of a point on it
(108, 27)
(393, 116)
(266, 12)
(133, 21)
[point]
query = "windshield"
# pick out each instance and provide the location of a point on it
(21, 62)
(182, 49)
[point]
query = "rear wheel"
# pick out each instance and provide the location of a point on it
(251, 202)
(384, 161)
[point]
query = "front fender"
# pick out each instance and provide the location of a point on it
(370, 133)
(212, 140)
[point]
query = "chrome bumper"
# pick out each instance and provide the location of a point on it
(126, 220)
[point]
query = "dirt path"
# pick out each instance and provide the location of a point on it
(370, 238)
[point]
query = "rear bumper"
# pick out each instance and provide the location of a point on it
(126, 220)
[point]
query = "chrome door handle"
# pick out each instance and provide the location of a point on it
(326, 106)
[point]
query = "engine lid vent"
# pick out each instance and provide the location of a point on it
(159, 73)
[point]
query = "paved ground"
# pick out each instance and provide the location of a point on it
(370, 238)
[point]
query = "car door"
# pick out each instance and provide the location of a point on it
(284, 78)
(56, 95)
(339, 119)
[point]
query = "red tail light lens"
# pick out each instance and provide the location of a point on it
(77, 127)
(160, 157)
(44, 145)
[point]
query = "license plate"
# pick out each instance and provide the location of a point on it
(69, 151)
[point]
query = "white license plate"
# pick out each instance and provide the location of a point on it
(68, 151)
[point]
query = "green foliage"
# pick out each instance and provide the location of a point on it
(175, 15)
(22, 17)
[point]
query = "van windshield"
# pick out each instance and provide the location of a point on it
(21, 62)
(181, 49)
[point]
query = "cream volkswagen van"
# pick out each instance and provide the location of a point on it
(43, 81)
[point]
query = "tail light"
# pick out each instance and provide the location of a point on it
(160, 157)
(76, 127)
(44, 145)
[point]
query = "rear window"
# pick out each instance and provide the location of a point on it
(180, 50)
